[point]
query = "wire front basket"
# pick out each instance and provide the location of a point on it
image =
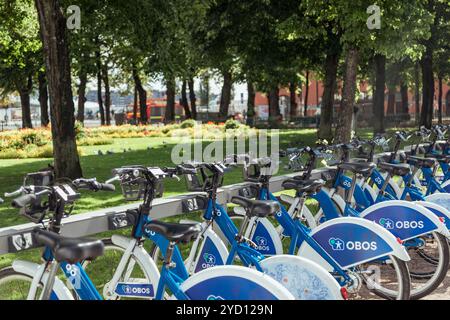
(202, 180)
(133, 190)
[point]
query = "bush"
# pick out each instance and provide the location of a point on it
(232, 124)
(189, 123)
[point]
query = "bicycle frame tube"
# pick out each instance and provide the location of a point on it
(77, 277)
(172, 281)
(80, 281)
(247, 255)
(162, 244)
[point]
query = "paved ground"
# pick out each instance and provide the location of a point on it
(443, 292)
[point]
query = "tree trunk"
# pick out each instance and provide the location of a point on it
(378, 96)
(170, 107)
(405, 99)
(26, 112)
(274, 104)
(251, 104)
(391, 101)
(344, 128)
(225, 97)
(43, 99)
(326, 116)
(101, 110)
(293, 99)
(417, 90)
(142, 97)
(135, 106)
(426, 115)
(24, 92)
(305, 109)
(107, 94)
(184, 100)
(56, 52)
(192, 98)
(440, 100)
(82, 96)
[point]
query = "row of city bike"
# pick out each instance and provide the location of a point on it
(370, 227)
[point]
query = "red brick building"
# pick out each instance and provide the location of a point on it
(315, 99)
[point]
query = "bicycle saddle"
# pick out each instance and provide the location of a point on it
(175, 232)
(421, 162)
(257, 208)
(444, 158)
(395, 169)
(71, 250)
(364, 168)
(303, 186)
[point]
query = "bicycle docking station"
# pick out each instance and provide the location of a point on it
(19, 238)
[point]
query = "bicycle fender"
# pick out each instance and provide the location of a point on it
(446, 186)
(305, 279)
(141, 255)
(31, 269)
(352, 241)
(338, 200)
(405, 220)
(440, 211)
(265, 236)
(213, 252)
(370, 193)
(233, 283)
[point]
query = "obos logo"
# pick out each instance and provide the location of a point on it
(210, 261)
(261, 242)
(130, 290)
(212, 298)
(389, 224)
(339, 245)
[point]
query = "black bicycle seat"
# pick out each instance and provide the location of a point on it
(303, 186)
(175, 232)
(71, 250)
(421, 162)
(443, 158)
(257, 208)
(395, 169)
(364, 168)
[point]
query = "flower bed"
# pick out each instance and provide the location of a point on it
(37, 143)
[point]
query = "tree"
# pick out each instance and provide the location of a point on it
(20, 52)
(53, 32)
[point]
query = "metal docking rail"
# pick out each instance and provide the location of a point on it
(18, 238)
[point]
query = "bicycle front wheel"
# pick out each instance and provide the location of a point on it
(387, 278)
(15, 285)
(102, 270)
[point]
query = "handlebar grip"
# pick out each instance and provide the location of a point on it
(181, 170)
(106, 187)
(23, 201)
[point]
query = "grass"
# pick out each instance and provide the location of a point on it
(148, 151)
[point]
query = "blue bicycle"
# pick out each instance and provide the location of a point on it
(31, 281)
(134, 274)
